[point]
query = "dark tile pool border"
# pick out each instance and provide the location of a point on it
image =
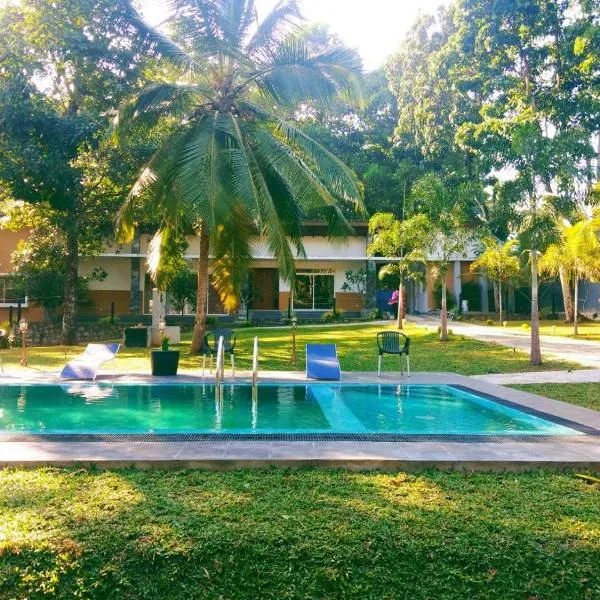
(530, 411)
(288, 437)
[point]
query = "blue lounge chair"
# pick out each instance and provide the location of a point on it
(86, 365)
(322, 362)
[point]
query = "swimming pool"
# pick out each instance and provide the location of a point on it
(292, 409)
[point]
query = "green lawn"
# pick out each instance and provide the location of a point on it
(356, 347)
(583, 394)
(297, 534)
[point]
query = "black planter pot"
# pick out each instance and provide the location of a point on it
(164, 362)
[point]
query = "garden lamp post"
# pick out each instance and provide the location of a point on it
(23, 327)
(294, 322)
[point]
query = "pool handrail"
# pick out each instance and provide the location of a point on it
(220, 368)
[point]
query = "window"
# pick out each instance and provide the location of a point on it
(8, 293)
(314, 290)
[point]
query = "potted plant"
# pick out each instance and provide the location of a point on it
(164, 361)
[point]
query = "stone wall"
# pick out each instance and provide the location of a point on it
(48, 334)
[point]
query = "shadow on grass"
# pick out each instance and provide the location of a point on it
(297, 534)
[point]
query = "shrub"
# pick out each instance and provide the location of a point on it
(106, 322)
(332, 316)
(211, 321)
(489, 321)
(526, 326)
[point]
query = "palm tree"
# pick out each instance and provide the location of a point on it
(233, 167)
(450, 236)
(500, 263)
(577, 254)
(405, 240)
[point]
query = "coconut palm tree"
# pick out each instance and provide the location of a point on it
(577, 253)
(233, 168)
(500, 263)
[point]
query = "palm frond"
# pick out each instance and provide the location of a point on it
(156, 184)
(150, 40)
(249, 180)
(298, 180)
(154, 103)
(232, 257)
(292, 75)
(284, 15)
(334, 174)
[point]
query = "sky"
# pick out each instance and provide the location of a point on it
(375, 27)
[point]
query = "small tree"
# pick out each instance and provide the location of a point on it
(356, 281)
(449, 234)
(406, 241)
(577, 254)
(182, 289)
(500, 263)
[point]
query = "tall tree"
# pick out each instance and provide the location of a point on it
(233, 167)
(64, 64)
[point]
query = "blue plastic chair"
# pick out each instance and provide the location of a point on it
(322, 362)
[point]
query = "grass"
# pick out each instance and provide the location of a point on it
(582, 394)
(587, 330)
(297, 534)
(356, 348)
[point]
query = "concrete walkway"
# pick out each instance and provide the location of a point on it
(578, 376)
(584, 352)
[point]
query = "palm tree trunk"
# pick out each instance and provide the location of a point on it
(575, 315)
(566, 292)
(68, 333)
(202, 295)
(500, 301)
(444, 312)
(536, 353)
(400, 305)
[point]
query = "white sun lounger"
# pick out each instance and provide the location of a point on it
(87, 365)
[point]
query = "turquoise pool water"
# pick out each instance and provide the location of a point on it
(314, 408)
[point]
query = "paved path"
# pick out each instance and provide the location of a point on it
(578, 376)
(584, 352)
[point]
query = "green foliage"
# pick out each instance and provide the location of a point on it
(164, 342)
(356, 281)
(332, 316)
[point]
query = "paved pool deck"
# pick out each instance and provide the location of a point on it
(578, 451)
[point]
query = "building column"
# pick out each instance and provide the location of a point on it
(457, 283)
(485, 303)
(371, 289)
(135, 295)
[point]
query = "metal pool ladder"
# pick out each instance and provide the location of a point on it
(220, 369)
(255, 369)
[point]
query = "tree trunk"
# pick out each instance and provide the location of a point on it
(202, 294)
(444, 312)
(500, 301)
(69, 333)
(575, 312)
(496, 303)
(536, 353)
(400, 305)
(566, 292)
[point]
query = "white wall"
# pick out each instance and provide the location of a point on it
(118, 271)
